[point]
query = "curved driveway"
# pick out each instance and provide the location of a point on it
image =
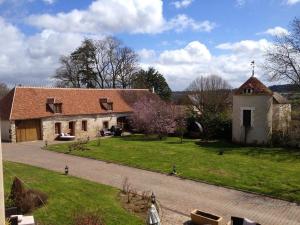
(177, 196)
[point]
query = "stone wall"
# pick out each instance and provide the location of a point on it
(94, 125)
(8, 131)
(281, 117)
(5, 130)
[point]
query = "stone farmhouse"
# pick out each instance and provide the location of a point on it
(258, 113)
(31, 113)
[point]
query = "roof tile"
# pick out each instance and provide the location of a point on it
(30, 102)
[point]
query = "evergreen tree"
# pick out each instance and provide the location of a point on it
(150, 79)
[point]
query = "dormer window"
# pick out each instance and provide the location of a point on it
(109, 106)
(248, 90)
(53, 106)
(57, 107)
(106, 104)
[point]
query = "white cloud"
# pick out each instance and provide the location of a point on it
(292, 2)
(32, 59)
(50, 2)
(182, 3)
(276, 31)
(181, 66)
(146, 54)
(245, 46)
(106, 16)
(116, 16)
(182, 22)
(194, 52)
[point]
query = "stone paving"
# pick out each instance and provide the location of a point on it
(177, 196)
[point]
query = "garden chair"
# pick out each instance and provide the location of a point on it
(241, 221)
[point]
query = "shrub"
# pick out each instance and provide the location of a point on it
(79, 145)
(26, 200)
(216, 126)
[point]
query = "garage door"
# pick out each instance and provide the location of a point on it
(28, 130)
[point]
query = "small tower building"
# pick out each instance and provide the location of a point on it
(258, 113)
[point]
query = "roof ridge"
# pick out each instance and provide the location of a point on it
(89, 89)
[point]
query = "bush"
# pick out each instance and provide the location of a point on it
(215, 126)
(26, 200)
(88, 218)
(79, 145)
(280, 138)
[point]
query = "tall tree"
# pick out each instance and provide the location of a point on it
(127, 67)
(282, 60)
(105, 63)
(210, 94)
(67, 75)
(151, 78)
(101, 62)
(84, 58)
(3, 89)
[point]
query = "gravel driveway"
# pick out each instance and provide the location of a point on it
(177, 196)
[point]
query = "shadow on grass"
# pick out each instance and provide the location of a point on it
(283, 154)
(141, 138)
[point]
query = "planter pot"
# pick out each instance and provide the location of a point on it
(201, 218)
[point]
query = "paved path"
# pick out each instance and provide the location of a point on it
(177, 196)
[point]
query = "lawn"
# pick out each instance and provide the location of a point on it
(67, 195)
(271, 171)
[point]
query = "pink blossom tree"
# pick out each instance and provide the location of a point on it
(153, 116)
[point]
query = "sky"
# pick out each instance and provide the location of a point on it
(182, 39)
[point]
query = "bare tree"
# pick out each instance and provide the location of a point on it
(67, 75)
(127, 66)
(3, 89)
(209, 94)
(103, 63)
(113, 49)
(282, 60)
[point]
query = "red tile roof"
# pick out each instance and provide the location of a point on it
(256, 85)
(28, 103)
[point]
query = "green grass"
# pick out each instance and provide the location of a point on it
(67, 195)
(271, 171)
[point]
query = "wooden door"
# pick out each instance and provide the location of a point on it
(28, 130)
(72, 128)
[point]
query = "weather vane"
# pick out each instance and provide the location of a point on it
(253, 67)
